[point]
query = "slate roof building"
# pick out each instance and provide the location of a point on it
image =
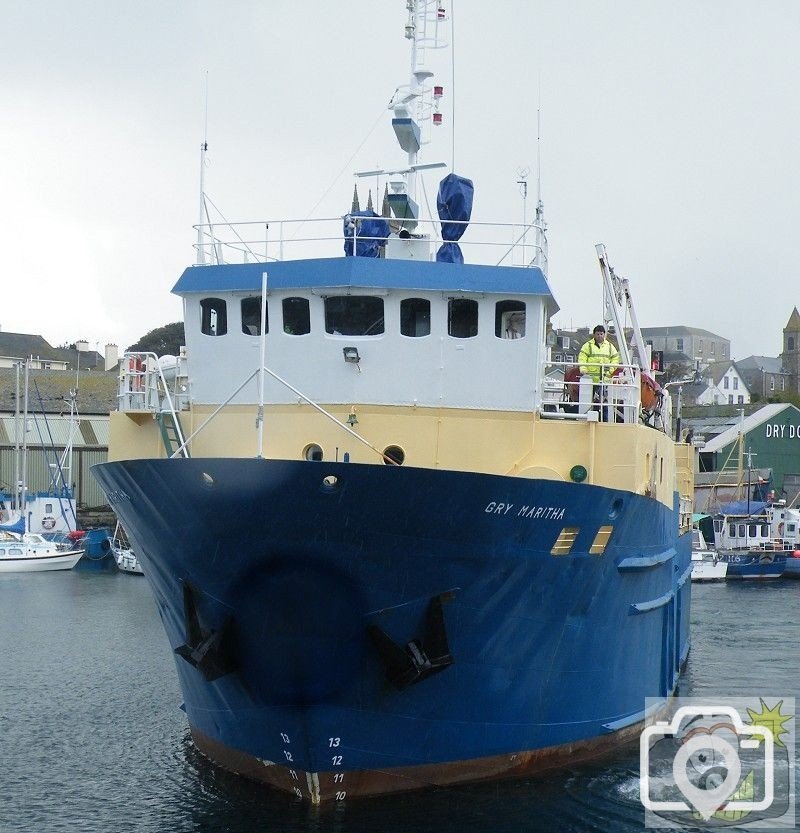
(49, 430)
(43, 356)
(687, 345)
(764, 375)
(723, 385)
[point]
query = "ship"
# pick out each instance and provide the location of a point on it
(394, 544)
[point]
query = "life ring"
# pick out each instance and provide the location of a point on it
(571, 379)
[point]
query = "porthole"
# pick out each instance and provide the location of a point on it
(393, 455)
(312, 452)
(616, 508)
(330, 483)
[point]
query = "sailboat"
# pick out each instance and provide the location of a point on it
(24, 551)
(50, 512)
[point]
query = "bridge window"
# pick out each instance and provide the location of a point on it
(296, 316)
(462, 318)
(415, 317)
(213, 317)
(251, 317)
(354, 315)
(509, 319)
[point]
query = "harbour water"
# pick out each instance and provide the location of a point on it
(92, 737)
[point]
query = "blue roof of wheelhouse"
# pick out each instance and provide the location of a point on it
(365, 273)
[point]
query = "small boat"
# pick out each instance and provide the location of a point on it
(753, 564)
(706, 564)
(97, 556)
(30, 552)
(749, 539)
(126, 559)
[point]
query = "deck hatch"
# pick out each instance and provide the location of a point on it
(565, 541)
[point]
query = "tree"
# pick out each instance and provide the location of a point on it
(676, 371)
(163, 341)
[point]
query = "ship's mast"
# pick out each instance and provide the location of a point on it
(542, 258)
(201, 219)
(415, 108)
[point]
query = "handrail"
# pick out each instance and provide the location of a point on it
(617, 400)
(147, 397)
(144, 387)
(235, 242)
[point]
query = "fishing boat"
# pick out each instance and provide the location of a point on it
(389, 549)
(750, 539)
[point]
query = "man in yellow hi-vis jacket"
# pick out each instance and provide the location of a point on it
(599, 359)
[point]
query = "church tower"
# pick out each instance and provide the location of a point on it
(790, 357)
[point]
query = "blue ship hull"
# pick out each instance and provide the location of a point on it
(747, 565)
(344, 629)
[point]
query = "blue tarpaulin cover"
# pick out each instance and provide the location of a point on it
(18, 526)
(742, 507)
(454, 202)
(374, 230)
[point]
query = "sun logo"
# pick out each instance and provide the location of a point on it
(772, 719)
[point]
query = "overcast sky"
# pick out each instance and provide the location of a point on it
(669, 132)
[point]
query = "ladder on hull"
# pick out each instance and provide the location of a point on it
(172, 435)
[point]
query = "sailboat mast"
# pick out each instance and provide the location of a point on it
(23, 482)
(17, 481)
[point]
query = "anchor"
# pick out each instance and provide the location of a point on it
(203, 649)
(420, 658)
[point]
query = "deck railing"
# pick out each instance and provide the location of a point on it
(263, 241)
(150, 383)
(566, 394)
